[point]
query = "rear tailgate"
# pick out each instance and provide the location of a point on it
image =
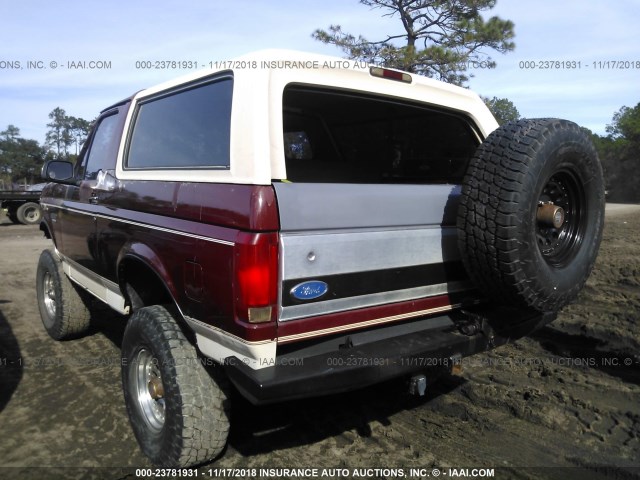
(370, 245)
(368, 214)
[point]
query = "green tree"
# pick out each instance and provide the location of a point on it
(79, 129)
(59, 137)
(626, 124)
(20, 159)
(619, 154)
(11, 133)
(503, 109)
(441, 39)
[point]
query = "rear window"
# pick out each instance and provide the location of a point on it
(335, 136)
(188, 128)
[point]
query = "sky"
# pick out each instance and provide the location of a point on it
(602, 35)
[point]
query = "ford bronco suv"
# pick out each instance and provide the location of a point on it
(296, 225)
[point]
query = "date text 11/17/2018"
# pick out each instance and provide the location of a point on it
(579, 65)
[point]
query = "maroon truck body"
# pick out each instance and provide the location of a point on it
(304, 233)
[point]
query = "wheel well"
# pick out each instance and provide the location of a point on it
(44, 228)
(141, 286)
(12, 207)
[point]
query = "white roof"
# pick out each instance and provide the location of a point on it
(319, 69)
(259, 81)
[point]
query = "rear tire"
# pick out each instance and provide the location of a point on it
(29, 213)
(178, 412)
(510, 253)
(63, 307)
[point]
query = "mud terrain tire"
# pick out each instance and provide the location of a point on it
(179, 413)
(63, 306)
(511, 254)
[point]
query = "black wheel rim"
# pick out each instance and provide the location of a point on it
(559, 246)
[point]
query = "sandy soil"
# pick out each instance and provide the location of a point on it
(567, 396)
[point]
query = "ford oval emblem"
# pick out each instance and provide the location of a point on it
(309, 290)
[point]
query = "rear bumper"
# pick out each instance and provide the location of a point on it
(438, 343)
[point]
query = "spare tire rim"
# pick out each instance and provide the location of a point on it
(559, 246)
(149, 389)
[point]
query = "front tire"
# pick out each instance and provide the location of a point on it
(531, 213)
(63, 307)
(178, 412)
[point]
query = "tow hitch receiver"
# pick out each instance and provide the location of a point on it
(418, 385)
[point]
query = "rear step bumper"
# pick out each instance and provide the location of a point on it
(369, 363)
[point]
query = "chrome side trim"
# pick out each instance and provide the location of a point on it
(144, 225)
(351, 303)
(96, 285)
(315, 254)
(218, 345)
(369, 323)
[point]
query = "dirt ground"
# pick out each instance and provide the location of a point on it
(567, 396)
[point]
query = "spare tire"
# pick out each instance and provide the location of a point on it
(531, 213)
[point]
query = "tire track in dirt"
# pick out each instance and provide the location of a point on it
(547, 400)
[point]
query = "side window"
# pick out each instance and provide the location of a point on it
(104, 148)
(185, 129)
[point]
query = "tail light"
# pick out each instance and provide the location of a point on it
(256, 272)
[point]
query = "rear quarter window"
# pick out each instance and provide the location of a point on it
(188, 128)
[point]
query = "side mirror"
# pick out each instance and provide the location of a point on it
(58, 171)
